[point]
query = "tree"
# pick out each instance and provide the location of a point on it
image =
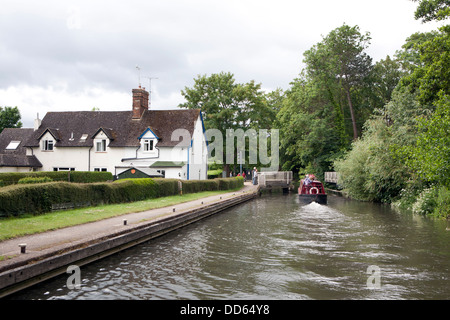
(409, 55)
(429, 157)
(9, 118)
(340, 59)
(226, 104)
(429, 10)
(386, 74)
(375, 168)
(432, 76)
(309, 137)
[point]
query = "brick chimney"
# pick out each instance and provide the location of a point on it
(140, 102)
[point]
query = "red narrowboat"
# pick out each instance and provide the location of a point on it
(312, 190)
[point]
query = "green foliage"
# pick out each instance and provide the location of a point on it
(72, 176)
(429, 10)
(431, 78)
(226, 104)
(426, 201)
(9, 118)
(166, 187)
(34, 180)
(429, 156)
(229, 105)
(375, 168)
(442, 208)
(21, 199)
(341, 66)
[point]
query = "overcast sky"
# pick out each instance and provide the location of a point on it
(76, 55)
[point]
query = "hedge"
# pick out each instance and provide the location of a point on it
(9, 178)
(34, 180)
(19, 199)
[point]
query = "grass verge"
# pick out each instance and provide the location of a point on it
(29, 224)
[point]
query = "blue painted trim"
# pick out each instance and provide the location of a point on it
(148, 129)
(203, 127)
(188, 163)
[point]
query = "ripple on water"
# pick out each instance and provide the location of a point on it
(276, 248)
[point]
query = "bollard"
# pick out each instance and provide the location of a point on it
(23, 247)
(125, 222)
(173, 210)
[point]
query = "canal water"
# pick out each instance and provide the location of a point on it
(275, 248)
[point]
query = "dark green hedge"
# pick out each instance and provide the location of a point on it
(21, 199)
(9, 178)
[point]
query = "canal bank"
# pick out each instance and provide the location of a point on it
(48, 254)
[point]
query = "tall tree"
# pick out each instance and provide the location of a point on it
(309, 137)
(9, 118)
(341, 59)
(386, 75)
(226, 104)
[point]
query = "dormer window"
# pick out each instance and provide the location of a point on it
(148, 144)
(148, 141)
(47, 145)
(101, 145)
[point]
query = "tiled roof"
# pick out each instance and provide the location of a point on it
(14, 134)
(16, 157)
(69, 127)
(19, 160)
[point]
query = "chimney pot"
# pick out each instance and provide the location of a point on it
(140, 102)
(37, 122)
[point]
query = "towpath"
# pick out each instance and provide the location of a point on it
(47, 244)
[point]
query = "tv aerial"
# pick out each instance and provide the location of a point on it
(150, 89)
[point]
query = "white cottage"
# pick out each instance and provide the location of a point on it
(167, 143)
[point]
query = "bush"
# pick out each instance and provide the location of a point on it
(442, 209)
(166, 187)
(40, 198)
(426, 202)
(193, 186)
(9, 178)
(34, 180)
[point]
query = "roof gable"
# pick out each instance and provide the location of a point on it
(54, 133)
(107, 131)
(145, 133)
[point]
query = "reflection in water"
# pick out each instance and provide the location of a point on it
(275, 248)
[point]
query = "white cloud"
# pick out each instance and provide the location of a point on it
(75, 55)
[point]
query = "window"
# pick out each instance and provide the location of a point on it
(148, 145)
(47, 145)
(163, 172)
(101, 146)
(100, 169)
(63, 169)
(13, 145)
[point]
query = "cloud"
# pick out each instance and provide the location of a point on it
(73, 55)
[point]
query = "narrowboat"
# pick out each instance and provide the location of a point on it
(312, 190)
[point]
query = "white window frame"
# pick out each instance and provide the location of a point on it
(48, 145)
(100, 145)
(148, 145)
